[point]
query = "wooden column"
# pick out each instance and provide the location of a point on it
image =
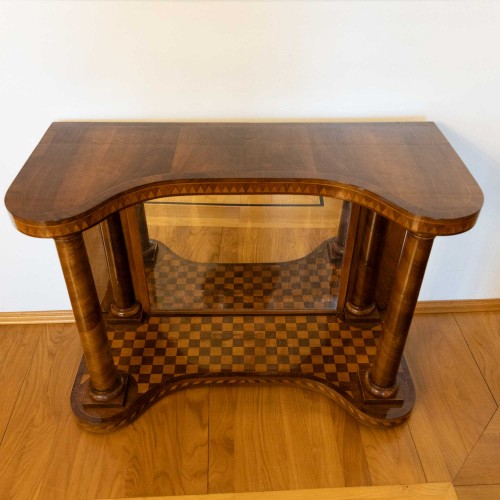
(389, 260)
(105, 381)
(149, 246)
(124, 307)
(362, 300)
(381, 378)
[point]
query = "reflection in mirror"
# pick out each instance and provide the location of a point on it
(252, 253)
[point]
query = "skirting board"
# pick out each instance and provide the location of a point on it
(457, 306)
(36, 317)
(423, 307)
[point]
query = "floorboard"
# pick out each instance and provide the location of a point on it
(164, 452)
(482, 466)
(250, 211)
(274, 438)
(270, 244)
(201, 244)
(482, 333)
(391, 455)
(27, 447)
(17, 344)
(454, 403)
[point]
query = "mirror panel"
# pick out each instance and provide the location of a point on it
(244, 254)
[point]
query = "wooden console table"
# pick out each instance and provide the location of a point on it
(401, 185)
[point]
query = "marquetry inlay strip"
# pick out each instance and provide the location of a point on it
(332, 190)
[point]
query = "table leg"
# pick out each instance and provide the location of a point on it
(381, 378)
(106, 383)
(362, 300)
(124, 307)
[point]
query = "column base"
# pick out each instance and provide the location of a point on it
(355, 314)
(376, 395)
(115, 399)
(130, 316)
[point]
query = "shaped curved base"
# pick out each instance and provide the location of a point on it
(316, 352)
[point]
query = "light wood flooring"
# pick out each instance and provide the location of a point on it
(252, 438)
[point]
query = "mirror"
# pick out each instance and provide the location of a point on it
(243, 253)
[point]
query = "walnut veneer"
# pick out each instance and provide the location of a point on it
(402, 185)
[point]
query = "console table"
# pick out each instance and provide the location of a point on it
(401, 184)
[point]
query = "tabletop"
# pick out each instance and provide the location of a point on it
(81, 172)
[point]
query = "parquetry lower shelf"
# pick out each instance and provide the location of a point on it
(318, 352)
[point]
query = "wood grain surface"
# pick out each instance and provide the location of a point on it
(27, 448)
(248, 211)
(82, 172)
(252, 426)
(478, 492)
(44, 454)
(482, 333)
(449, 384)
(226, 439)
(16, 342)
(483, 464)
(211, 229)
(436, 491)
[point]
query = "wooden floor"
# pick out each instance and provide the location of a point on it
(236, 439)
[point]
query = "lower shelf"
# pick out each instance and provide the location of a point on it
(317, 352)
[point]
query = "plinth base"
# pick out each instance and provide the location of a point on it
(316, 352)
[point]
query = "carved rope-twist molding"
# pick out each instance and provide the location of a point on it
(131, 413)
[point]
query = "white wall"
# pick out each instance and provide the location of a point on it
(430, 60)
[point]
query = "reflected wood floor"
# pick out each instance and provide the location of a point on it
(252, 438)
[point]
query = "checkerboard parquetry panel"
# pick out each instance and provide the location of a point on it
(316, 347)
(309, 283)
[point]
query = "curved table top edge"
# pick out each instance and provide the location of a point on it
(385, 140)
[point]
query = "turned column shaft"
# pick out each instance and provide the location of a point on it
(409, 275)
(104, 378)
(362, 301)
(124, 304)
